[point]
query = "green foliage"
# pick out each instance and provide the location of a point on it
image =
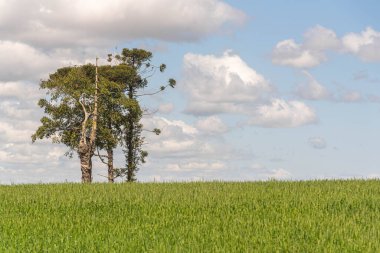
(64, 89)
(157, 131)
(319, 216)
(114, 105)
(162, 67)
(172, 82)
(69, 86)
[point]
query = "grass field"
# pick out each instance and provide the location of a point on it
(312, 216)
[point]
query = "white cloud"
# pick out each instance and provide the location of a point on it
(9, 171)
(211, 125)
(19, 91)
(179, 139)
(15, 132)
(289, 53)
(317, 143)
(46, 23)
(365, 45)
(226, 84)
(280, 174)
(195, 166)
(319, 40)
(184, 152)
(20, 61)
(280, 113)
(312, 90)
(261, 172)
(220, 83)
(309, 54)
(14, 109)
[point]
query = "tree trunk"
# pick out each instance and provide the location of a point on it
(87, 147)
(130, 158)
(129, 141)
(110, 166)
(85, 162)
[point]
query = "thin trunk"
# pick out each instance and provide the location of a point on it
(130, 158)
(110, 166)
(95, 112)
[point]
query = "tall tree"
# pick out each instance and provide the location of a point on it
(116, 107)
(72, 112)
(140, 61)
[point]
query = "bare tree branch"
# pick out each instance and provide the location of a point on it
(100, 156)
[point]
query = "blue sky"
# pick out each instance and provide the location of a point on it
(266, 89)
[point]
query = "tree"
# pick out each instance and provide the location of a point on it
(116, 108)
(140, 61)
(81, 105)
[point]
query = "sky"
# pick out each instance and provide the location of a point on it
(285, 90)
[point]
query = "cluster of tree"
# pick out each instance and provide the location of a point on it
(93, 109)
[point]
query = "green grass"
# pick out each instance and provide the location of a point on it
(313, 216)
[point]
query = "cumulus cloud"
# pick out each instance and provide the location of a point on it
(217, 84)
(312, 90)
(308, 54)
(365, 45)
(179, 139)
(19, 90)
(280, 113)
(317, 143)
(50, 34)
(289, 53)
(58, 23)
(279, 174)
(212, 125)
(184, 152)
(319, 40)
(20, 61)
(198, 166)
(21, 160)
(261, 172)
(226, 84)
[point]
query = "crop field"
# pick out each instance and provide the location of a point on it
(310, 216)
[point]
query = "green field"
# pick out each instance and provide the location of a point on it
(311, 216)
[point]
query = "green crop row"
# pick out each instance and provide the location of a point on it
(310, 216)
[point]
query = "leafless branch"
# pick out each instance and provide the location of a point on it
(100, 156)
